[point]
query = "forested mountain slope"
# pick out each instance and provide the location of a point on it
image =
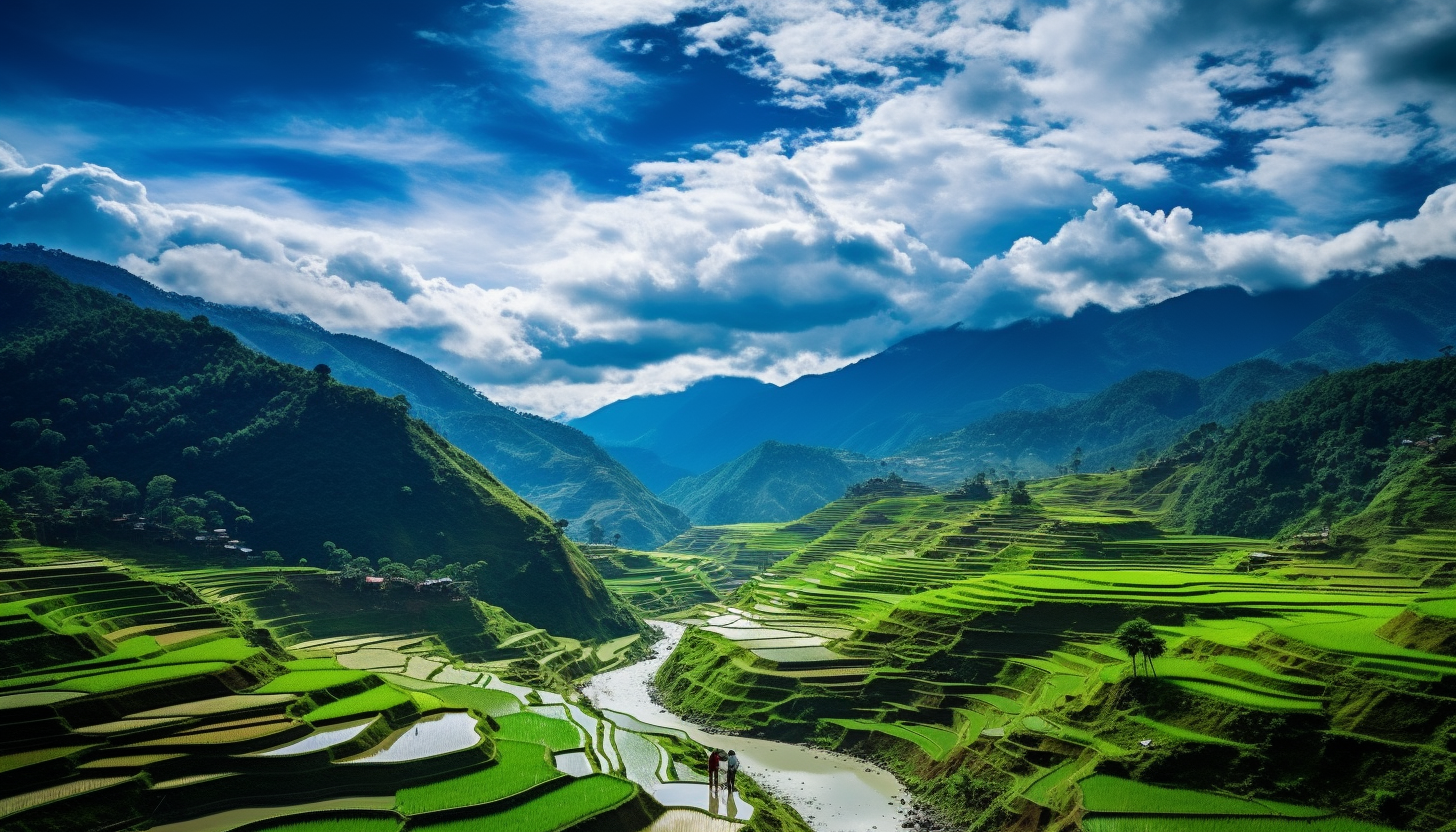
(772, 482)
(1130, 420)
(138, 394)
(1322, 451)
(557, 467)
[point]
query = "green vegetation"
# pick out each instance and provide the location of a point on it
(174, 406)
(307, 681)
(1101, 793)
(1079, 650)
(662, 582)
(555, 810)
(772, 482)
(551, 465)
(1123, 425)
(373, 701)
(518, 766)
(179, 707)
(1136, 638)
(1322, 452)
(495, 703)
(356, 824)
(528, 726)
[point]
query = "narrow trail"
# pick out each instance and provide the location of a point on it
(834, 792)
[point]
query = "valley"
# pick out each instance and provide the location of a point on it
(540, 416)
(1250, 629)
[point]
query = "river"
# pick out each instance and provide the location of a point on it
(834, 792)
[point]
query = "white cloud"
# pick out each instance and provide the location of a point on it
(733, 266)
(1120, 256)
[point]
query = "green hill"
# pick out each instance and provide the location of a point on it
(773, 482)
(1323, 451)
(1134, 417)
(138, 394)
(555, 466)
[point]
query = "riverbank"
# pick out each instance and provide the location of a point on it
(833, 792)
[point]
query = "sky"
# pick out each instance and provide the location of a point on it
(568, 203)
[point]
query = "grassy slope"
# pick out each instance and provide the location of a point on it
(313, 459)
(554, 466)
(772, 482)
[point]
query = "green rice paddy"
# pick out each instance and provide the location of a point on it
(1102, 794)
(555, 810)
(555, 734)
(942, 633)
(518, 766)
(373, 701)
(346, 824)
(126, 706)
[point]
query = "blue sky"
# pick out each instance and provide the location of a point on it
(568, 203)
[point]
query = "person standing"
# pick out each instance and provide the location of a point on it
(732, 771)
(713, 762)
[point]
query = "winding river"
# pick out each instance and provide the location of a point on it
(834, 792)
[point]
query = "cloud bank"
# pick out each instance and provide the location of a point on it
(647, 297)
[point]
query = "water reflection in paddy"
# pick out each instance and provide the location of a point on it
(326, 738)
(834, 792)
(699, 796)
(440, 734)
(574, 763)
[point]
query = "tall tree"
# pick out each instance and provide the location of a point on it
(1134, 637)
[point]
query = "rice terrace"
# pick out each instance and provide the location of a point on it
(964, 638)
(728, 416)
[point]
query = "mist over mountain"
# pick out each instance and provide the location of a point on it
(941, 381)
(555, 466)
(1407, 314)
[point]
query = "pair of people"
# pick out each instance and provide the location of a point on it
(730, 762)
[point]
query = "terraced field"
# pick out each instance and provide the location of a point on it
(142, 700)
(968, 644)
(664, 582)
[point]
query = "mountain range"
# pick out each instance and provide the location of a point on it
(555, 466)
(941, 381)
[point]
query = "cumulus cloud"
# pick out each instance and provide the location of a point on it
(734, 267)
(1120, 256)
(1114, 90)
